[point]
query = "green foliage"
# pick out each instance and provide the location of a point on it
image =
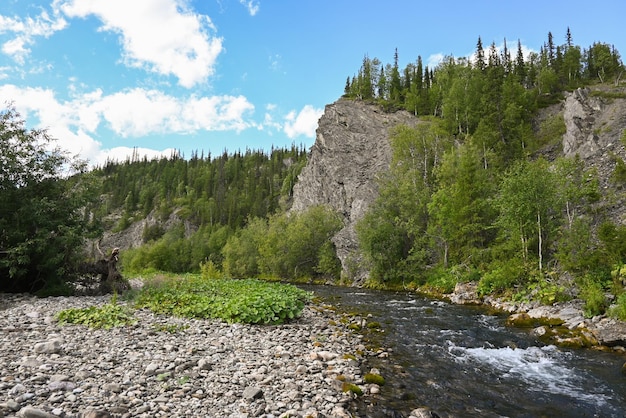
(542, 288)
(42, 222)
(592, 292)
(613, 239)
(245, 301)
(106, 316)
(619, 172)
(294, 243)
(209, 271)
(502, 276)
(527, 202)
(241, 251)
(551, 130)
(352, 388)
(619, 309)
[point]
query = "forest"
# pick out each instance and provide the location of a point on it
(471, 195)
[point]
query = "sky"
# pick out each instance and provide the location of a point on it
(109, 77)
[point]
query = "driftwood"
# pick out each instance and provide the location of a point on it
(105, 272)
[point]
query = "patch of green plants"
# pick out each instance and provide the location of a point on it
(619, 309)
(248, 301)
(543, 290)
(106, 316)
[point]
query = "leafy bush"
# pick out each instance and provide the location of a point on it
(245, 301)
(619, 309)
(592, 292)
(502, 276)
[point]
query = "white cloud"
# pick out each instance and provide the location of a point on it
(162, 36)
(77, 122)
(26, 30)
(302, 123)
(252, 6)
(434, 60)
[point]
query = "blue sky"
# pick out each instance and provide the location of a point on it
(107, 76)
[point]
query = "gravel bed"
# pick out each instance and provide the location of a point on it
(173, 367)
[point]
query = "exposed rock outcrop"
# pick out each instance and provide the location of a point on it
(351, 148)
(594, 127)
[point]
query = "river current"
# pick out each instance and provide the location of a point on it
(462, 361)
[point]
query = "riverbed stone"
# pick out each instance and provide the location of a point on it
(203, 368)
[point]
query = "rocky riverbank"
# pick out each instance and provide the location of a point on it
(174, 367)
(562, 323)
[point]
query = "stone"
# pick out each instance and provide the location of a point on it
(30, 412)
(48, 347)
(151, 369)
(422, 412)
(521, 319)
(96, 414)
(61, 385)
(205, 364)
(252, 392)
(466, 294)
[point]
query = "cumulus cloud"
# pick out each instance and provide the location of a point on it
(26, 30)
(77, 122)
(161, 36)
(303, 122)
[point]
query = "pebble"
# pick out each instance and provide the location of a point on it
(204, 368)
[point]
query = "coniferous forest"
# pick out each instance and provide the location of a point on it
(471, 194)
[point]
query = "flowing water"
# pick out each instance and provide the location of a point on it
(463, 362)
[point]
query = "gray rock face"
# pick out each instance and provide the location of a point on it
(579, 115)
(351, 148)
(594, 128)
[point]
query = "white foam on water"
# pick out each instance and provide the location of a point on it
(541, 369)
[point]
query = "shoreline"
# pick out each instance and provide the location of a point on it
(166, 366)
(562, 324)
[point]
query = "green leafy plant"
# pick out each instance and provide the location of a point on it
(245, 301)
(105, 316)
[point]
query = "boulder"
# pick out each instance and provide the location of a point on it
(466, 294)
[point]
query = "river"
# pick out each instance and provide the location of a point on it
(462, 361)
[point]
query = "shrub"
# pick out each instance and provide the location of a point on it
(502, 276)
(592, 292)
(619, 309)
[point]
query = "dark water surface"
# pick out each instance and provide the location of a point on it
(459, 361)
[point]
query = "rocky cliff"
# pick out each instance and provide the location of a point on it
(351, 148)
